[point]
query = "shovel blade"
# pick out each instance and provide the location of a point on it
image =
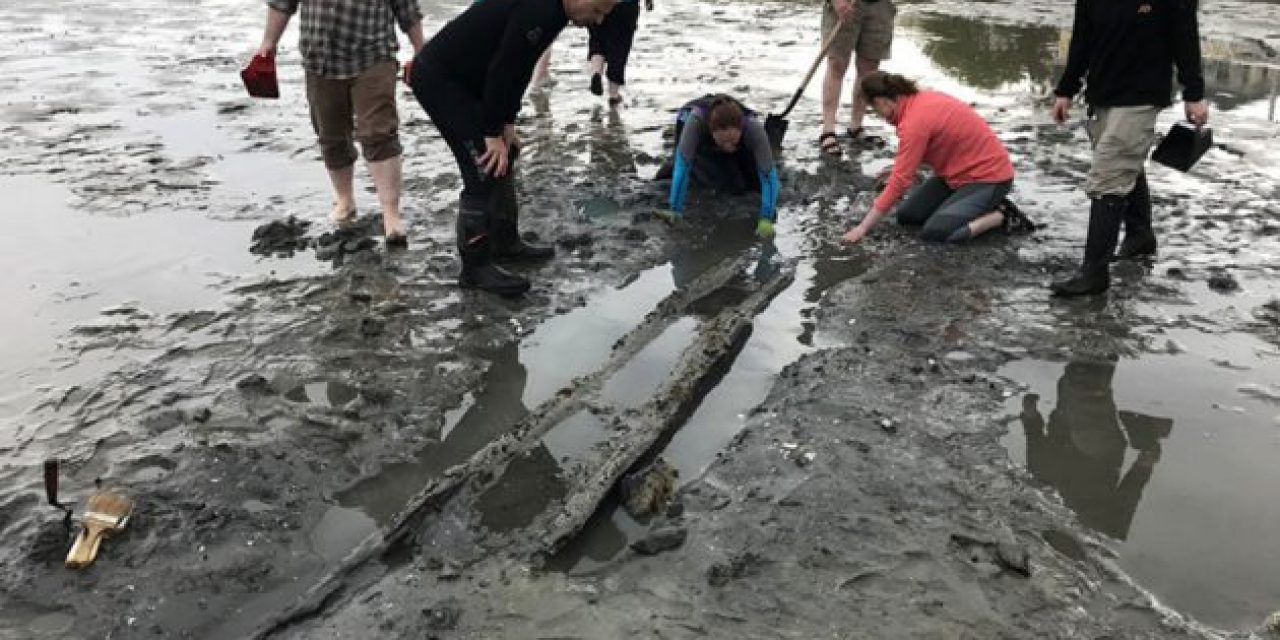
(775, 127)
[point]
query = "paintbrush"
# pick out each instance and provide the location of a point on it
(105, 513)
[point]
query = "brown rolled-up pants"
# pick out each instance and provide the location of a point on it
(362, 108)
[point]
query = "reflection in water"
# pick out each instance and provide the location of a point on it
(1081, 451)
(987, 55)
(497, 408)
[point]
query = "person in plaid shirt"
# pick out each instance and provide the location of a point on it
(349, 54)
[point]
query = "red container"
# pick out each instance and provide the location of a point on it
(259, 77)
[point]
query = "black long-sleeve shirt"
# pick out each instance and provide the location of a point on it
(1125, 51)
(491, 48)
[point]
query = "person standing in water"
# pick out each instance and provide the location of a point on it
(470, 78)
(609, 46)
(1125, 54)
(349, 54)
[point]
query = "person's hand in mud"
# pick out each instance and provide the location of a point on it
(1061, 109)
(856, 234)
(668, 216)
(494, 160)
(1198, 113)
(764, 229)
(846, 10)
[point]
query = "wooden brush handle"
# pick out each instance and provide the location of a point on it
(51, 481)
(85, 549)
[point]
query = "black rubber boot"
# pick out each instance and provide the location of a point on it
(478, 270)
(504, 225)
(1139, 238)
(1104, 231)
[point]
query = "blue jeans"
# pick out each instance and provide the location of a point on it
(944, 213)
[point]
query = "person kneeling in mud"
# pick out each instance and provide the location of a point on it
(972, 171)
(721, 144)
(470, 78)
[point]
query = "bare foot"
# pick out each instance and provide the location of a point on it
(393, 229)
(342, 213)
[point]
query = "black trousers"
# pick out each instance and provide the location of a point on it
(457, 115)
(612, 39)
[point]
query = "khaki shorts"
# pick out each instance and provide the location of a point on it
(362, 108)
(1121, 138)
(870, 33)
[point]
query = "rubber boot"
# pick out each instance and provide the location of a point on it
(1139, 239)
(1094, 277)
(478, 270)
(504, 225)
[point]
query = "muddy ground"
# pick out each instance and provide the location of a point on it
(325, 439)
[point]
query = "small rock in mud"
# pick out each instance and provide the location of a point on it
(254, 383)
(648, 490)
(743, 564)
(202, 415)
(280, 237)
(633, 234)
(576, 240)
(443, 616)
(1223, 283)
(662, 539)
(372, 327)
(448, 571)
(1176, 272)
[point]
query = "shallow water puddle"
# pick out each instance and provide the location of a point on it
(780, 334)
(1172, 456)
(520, 377)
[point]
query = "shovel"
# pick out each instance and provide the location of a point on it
(775, 126)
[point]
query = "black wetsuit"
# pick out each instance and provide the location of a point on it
(471, 76)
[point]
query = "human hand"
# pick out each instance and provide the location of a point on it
(668, 216)
(266, 50)
(1061, 109)
(1198, 113)
(845, 9)
(509, 135)
(494, 160)
(855, 234)
(764, 229)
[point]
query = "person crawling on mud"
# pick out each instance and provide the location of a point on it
(721, 144)
(470, 78)
(973, 174)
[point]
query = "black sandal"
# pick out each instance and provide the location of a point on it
(1015, 221)
(829, 144)
(397, 241)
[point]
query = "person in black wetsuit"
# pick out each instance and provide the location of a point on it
(470, 78)
(722, 144)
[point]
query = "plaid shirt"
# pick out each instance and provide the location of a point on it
(342, 38)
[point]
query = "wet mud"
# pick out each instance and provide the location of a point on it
(325, 438)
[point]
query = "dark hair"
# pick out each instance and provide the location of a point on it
(724, 113)
(879, 84)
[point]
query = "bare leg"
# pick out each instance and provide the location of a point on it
(542, 72)
(615, 92)
(863, 67)
(344, 206)
(386, 180)
(597, 64)
(831, 83)
(985, 222)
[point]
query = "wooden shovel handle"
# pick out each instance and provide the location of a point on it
(813, 68)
